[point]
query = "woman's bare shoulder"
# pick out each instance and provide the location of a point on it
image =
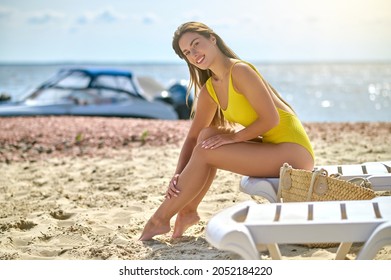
(242, 68)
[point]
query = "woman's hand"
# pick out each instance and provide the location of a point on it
(172, 190)
(218, 140)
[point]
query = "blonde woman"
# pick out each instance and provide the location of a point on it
(228, 91)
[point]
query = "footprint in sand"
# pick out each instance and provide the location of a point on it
(22, 225)
(61, 215)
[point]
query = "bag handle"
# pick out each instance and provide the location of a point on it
(285, 181)
(362, 182)
(318, 183)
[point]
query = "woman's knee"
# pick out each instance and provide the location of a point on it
(206, 133)
(200, 154)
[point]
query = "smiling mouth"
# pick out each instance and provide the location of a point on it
(200, 60)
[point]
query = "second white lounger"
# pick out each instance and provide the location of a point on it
(378, 173)
(245, 227)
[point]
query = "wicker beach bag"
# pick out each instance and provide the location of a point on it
(296, 185)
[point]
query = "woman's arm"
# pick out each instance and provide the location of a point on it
(204, 113)
(247, 81)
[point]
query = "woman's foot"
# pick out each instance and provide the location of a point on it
(154, 227)
(183, 222)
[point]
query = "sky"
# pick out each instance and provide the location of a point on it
(123, 31)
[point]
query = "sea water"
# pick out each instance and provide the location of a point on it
(318, 92)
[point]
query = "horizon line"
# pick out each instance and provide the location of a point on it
(181, 62)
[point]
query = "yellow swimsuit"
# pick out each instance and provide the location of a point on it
(239, 110)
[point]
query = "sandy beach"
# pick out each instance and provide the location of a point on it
(80, 188)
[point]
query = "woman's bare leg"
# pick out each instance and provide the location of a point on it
(188, 216)
(192, 177)
(252, 159)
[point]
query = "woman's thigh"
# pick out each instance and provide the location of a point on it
(256, 159)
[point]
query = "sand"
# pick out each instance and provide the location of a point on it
(79, 188)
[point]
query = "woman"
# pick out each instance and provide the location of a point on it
(230, 91)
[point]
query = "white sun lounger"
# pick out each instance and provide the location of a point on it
(378, 173)
(246, 227)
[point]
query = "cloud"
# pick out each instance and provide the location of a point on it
(149, 18)
(5, 12)
(39, 19)
(45, 17)
(84, 19)
(145, 19)
(107, 15)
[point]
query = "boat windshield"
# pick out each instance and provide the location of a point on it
(74, 80)
(75, 96)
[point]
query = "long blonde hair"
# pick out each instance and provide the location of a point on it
(198, 77)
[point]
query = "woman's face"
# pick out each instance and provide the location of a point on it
(198, 50)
